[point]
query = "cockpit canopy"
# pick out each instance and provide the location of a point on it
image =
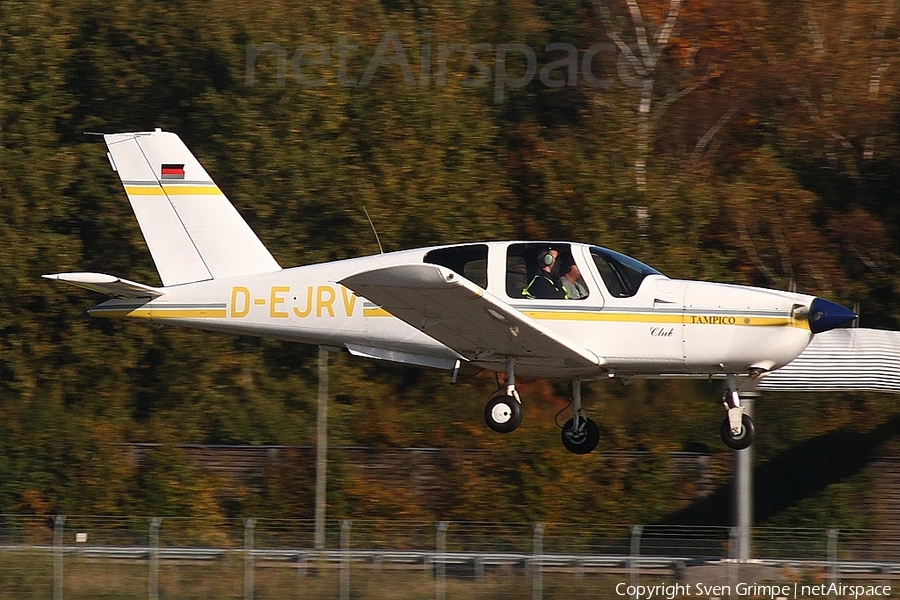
(525, 261)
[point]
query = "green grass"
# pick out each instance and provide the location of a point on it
(30, 575)
(27, 574)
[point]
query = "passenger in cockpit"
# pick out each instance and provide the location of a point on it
(571, 281)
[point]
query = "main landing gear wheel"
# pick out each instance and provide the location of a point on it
(503, 413)
(582, 440)
(742, 440)
(579, 435)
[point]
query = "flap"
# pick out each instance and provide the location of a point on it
(107, 284)
(463, 316)
(402, 357)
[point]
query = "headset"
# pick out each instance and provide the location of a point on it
(547, 258)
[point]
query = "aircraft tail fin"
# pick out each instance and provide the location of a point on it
(194, 233)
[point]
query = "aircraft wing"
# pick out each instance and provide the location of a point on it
(107, 284)
(463, 316)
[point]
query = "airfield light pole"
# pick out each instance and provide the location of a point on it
(321, 449)
(59, 524)
(743, 490)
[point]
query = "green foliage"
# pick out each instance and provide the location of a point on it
(760, 169)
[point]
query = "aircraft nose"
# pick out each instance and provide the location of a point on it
(825, 315)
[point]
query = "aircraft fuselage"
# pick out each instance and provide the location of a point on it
(667, 327)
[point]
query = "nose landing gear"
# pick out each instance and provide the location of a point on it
(737, 430)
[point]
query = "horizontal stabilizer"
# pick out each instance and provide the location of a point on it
(107, 284)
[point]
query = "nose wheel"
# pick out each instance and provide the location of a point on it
(743, 438)
(737, 430)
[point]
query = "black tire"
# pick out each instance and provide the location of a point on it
(744, 440)
(584, 443)
(503, 414)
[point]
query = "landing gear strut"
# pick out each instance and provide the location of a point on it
(737, 430)
(503, 412)
(580, 435)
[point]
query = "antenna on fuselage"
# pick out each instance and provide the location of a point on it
(380, 249)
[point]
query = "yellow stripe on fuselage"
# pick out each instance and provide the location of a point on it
(539, 315)
(173, 190)
(689, 319)
(737, 320)
(677, 319)
(164, 313)
(567, 315)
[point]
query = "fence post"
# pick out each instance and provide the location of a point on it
(301, 563)
(321, 452)
(153, 560)
(479, 569)
(440, 562)
(58, 529)
(634, 574)
(733, 554)
(249, 586)
(537, 561)
(833, 567)
(345, 559)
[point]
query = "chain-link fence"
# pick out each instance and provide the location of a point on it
(136, 557)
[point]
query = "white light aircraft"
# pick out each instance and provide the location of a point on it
(494, 305)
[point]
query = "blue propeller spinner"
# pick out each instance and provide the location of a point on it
(825, 315)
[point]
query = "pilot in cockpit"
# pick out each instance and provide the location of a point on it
(545, 283)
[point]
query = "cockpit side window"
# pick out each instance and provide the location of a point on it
(622, 274)
(543, 271)
(468, 261)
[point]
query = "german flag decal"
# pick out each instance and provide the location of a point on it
(172, 171)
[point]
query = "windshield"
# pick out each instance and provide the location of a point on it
(621, 274)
